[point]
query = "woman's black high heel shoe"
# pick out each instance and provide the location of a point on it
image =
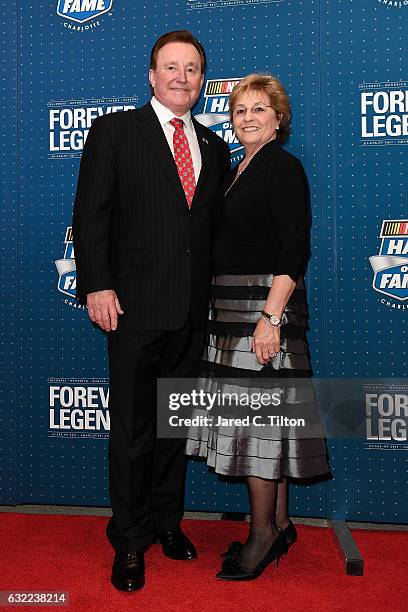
(231, 570)
(233, 549)
(290, 534)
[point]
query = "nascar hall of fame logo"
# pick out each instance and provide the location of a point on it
(384, 113)
(216, 113)
(209, 4)
(390, 266)
(66, 269)
(78, 408)
(81, 15)
(70, 120)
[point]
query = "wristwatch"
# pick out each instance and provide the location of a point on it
(272, 319)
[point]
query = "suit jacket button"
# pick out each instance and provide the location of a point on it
(188, 252)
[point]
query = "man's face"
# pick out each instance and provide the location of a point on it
(177, 78)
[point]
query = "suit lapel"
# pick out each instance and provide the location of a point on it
(205, 148)
(155, 139)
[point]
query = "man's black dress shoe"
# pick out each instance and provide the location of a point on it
(128, 571)
(176, 545)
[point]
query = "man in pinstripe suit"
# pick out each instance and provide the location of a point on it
(142, 246)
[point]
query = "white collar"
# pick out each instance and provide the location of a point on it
(165, 115)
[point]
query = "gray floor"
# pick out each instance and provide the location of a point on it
(211, 516)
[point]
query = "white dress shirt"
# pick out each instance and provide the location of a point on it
(164, 116)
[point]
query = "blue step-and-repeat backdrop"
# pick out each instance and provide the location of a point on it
(342, 62)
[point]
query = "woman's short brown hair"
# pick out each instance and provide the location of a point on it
(278, 97)
(183, 36)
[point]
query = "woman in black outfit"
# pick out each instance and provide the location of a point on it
(258, 318)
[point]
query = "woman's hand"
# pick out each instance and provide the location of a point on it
(265, 341)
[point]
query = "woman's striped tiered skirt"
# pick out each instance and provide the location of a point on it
(228, 363)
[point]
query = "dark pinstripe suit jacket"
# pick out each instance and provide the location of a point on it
(132, 229)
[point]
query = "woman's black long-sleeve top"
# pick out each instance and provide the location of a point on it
(262, 221)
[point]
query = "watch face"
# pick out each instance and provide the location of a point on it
(275, 320)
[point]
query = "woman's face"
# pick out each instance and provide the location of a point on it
(255, 122)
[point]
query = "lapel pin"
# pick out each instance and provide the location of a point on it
(204, 140)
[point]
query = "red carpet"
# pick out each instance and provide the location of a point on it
(70, 553)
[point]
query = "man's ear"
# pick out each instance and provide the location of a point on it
(152, 77)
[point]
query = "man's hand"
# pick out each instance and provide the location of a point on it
(103, 309)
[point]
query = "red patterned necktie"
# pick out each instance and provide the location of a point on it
(183, 159)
